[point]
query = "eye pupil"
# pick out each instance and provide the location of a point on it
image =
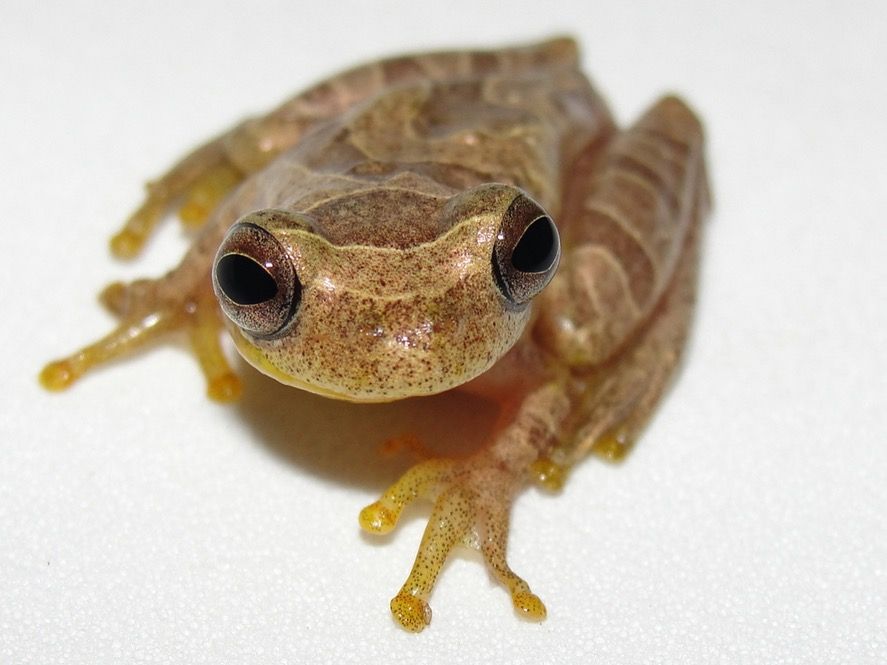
(538, 247)
(244, 281)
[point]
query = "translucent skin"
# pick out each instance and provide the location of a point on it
(386, 188)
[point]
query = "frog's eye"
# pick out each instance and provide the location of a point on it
(526, 252)
(255, 281)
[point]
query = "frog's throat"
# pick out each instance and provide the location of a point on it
(258, 360)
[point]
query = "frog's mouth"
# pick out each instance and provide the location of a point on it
(257, 359)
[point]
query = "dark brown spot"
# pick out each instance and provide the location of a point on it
(403, 69)
(664, 186)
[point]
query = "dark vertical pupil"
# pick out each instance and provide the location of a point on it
(244, 281)
(537, 248)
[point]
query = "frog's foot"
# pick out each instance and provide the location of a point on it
(198, 183)
(472, 499)
(142, 320)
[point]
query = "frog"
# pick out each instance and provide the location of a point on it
(468, 220)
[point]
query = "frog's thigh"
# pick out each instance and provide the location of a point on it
(626, 216)
(630, 274)
(616, 408)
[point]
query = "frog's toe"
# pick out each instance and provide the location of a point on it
(130, 240)
(136, 298)
(204, 327)
(472, 500)
(207, 192)
(548, 474)
(529, 605)
(377, 518)
(493, 546)
(613, 446)
(200, 181)
(420, 482)
(143, 320)
(129, 335)
(225, 387)
(113, 298)
(412, 613)
(57, 375)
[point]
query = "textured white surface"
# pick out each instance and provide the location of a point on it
(140, 523)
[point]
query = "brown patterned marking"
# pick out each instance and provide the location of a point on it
(646, 212)
(399, 70)
(460, 106)
(562, 52)
(606, 282)
(316, 101)
(600, 227)
(485, 62)
(671, 122)
(683, 148)
(655, 161)
(667, 147)
(665, 187)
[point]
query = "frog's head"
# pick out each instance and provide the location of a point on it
(331, 313)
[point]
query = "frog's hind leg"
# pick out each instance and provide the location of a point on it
(628, 277)
(615, 410)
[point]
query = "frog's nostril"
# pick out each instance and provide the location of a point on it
(244, 280)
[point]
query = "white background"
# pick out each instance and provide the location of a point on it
(141, 523)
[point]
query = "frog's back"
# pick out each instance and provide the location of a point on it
(381, 172)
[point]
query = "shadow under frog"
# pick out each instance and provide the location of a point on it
(362, 445)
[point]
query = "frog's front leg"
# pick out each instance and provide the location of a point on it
(472, 501)
(199, 181)
(148, 310)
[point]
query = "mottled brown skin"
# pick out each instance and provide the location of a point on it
(390, 191)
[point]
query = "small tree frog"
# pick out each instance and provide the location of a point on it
(469, 220)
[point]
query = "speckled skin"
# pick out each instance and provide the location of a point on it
(387, 191)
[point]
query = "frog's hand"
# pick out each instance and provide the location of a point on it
(147, 314)
(472, 500)
(199, 181)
